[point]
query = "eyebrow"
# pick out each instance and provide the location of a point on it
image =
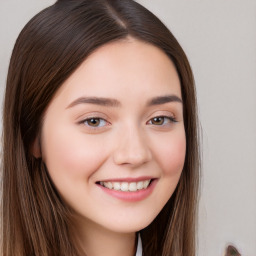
(108, 102)
(164, 99)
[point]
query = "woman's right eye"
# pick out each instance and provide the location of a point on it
(94, 122)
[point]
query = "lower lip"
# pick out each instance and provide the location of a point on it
(131, 196)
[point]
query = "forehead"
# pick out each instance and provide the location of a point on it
(124, 69)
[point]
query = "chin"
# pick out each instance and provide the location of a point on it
(130, 225)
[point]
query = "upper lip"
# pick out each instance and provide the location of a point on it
(128, 179)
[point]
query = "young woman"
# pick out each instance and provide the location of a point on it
(100, 144)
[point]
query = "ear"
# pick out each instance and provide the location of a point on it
(36, 148)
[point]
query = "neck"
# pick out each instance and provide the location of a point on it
(96, 240)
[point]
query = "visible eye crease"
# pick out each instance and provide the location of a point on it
(162, 120)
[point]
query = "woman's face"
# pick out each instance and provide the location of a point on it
(113, 137)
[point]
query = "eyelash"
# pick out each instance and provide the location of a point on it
(93, 118)
(171, 119)
(167, 119)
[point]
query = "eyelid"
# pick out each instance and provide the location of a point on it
(171, 120)
(164, 111)
(91, 114)
(86, 119)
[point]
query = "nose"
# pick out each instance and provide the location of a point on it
(132, 148)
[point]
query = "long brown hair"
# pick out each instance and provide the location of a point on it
(35, 220)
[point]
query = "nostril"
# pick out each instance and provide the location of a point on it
(132, 150)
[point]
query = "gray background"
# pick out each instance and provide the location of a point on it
(219, 37)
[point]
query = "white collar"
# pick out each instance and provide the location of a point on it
(139, 247)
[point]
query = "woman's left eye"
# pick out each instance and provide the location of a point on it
(162, 120)
(95, 122)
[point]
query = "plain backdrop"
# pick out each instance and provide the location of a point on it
(219, 37)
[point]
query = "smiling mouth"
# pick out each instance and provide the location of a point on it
(126, 186)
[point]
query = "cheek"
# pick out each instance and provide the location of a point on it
(70, 157)
(171, 154)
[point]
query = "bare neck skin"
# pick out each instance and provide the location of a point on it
(95, 240)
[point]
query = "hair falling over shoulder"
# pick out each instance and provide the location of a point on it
(34, 219)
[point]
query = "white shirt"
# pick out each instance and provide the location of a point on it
(139, 247)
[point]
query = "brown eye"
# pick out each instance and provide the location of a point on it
(162, 120)
(95, 122)
(157, 120)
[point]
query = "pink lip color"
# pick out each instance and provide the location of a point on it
(129, 179)
(131, 196)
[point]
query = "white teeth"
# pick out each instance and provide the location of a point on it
(140, 185)
(117, 185)
(110, 186)
(146, 183)
(126, 186)
(133, 186)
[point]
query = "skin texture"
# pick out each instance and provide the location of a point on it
(125, 143)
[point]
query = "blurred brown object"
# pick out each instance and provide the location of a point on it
(232, 251)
